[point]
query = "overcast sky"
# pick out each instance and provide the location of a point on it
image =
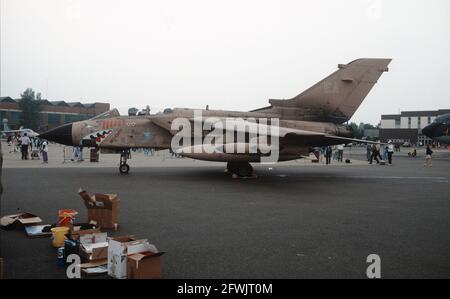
(232, 55)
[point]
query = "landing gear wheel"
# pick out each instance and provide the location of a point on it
(231, 167)
(124, 168)
(245, 170)
(242, 169)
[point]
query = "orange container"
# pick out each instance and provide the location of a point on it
(66, 217)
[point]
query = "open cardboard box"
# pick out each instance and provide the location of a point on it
(93, 246)
(117, 255)
(131, 258)
(76, 233)
(120, 250)
(103, 209)
(144, 265)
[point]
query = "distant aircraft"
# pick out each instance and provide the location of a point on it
(439, 129)
(290, 128)
(21, 131)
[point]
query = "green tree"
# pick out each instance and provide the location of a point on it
(366, 126)
(358, 130)
(30, 106)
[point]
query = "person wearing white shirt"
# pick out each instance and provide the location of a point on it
(390, 151)
(44, 150)
(24, 143)
(340, 149)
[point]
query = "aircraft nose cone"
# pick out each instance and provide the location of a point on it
(429, 131)
(62, 134)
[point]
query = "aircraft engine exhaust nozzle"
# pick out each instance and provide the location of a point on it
(61, 134)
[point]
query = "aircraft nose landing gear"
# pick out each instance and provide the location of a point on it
(242, 169)
(124, 168)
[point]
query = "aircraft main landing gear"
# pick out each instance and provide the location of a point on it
(240, 168)
(124, 168)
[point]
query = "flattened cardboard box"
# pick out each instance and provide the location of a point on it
(145, 265)
(103, 209)
(97, 267)
(22, 218)
(38, 231)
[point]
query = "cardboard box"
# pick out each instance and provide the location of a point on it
(94, 268)
(19, 219)
(103, 209)
(118, 251)
(39, 230)
(93, 271)
(93, 246)
(117, 255)
(145, 265)
(76, 233)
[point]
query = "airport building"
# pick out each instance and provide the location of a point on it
(52, 114)
(407, 126)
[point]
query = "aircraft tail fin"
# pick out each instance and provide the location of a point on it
(336, 97)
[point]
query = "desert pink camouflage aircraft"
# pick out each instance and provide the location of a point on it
(314, 118)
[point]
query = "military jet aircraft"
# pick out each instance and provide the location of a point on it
(314, 118)
(7, 131)
(439, 129)
(21, 132)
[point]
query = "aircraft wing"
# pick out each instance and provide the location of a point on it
(11, 131)
(286, 135)
(293, 136)
(322, 140)
(30, 133)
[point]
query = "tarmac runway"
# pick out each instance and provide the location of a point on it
(292, 221)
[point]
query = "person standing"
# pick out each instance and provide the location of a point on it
(80, 153)
(15, 144)
(368, 152)
(340, 149)
(321, 154)
(385, 153)
(428, 153)
(378, 147)
(390, 151)
(328, 154)
(24, 143)
(44, 151)
(375, 154)
(75, 152)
